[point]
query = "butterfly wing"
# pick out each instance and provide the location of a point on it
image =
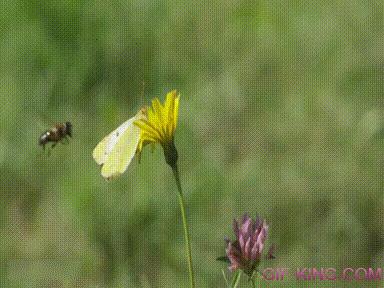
(104, 148)
(99, 153)
(116, 150)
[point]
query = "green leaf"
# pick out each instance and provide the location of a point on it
(236, 279)
(225, 278)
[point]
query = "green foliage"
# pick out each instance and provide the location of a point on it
(281, 115)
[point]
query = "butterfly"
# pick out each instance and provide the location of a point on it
(118, 148)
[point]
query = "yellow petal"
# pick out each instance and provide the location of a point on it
(158, 110)
(176, 111)
(148, 127)
(169, 104)
(148, 137)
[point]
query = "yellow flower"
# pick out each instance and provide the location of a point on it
(159, 126)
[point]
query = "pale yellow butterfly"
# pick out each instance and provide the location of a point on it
(118, 148)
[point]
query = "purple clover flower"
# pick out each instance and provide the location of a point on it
(245, 252)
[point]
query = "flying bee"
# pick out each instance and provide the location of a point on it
(56, 134)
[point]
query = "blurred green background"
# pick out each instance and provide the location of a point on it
(281, 116)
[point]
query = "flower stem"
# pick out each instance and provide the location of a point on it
(185, 225)
(253, 282)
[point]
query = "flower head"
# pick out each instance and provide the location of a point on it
(159, 126)
(245, 252)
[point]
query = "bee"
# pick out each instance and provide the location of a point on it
(56, 134)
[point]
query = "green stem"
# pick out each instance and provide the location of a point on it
(253, 282)
(185, 225)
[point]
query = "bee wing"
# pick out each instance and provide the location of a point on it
(116, 150)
